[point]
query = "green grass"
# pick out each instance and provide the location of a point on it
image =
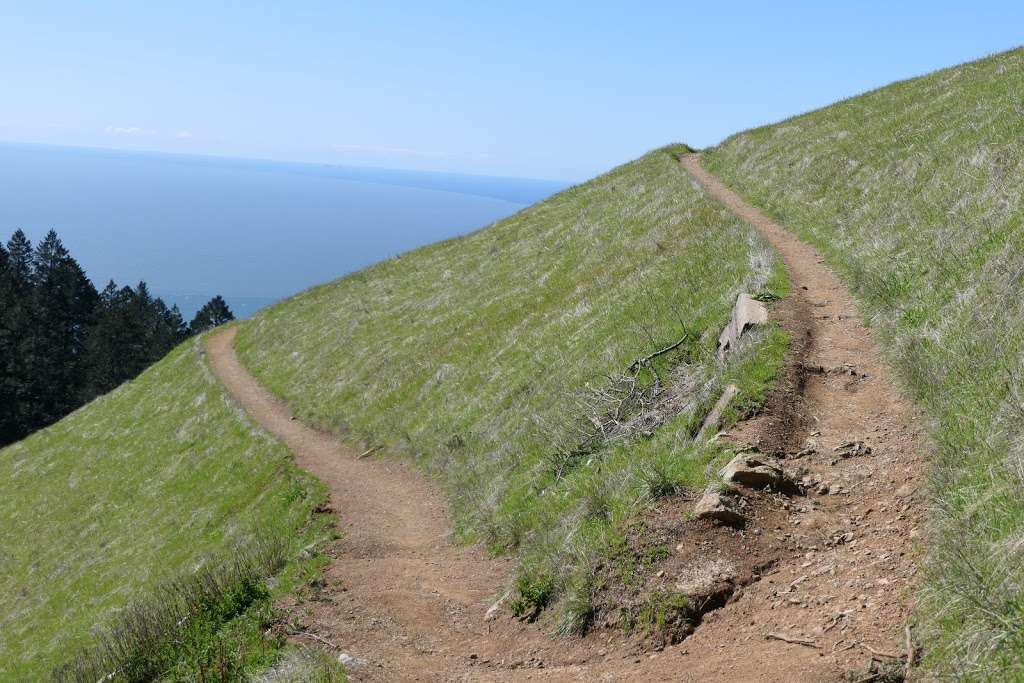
(913, 192)
(490, 359)
(156, 482)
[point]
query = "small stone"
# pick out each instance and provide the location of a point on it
(719, 506)
(758, 472)
(348, 660)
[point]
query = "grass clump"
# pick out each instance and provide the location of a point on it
(550, 369)
(666, 616)
(125, 515)
(914, 193)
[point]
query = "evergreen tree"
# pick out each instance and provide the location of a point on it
(63, 304)
(8, 352)
(132, 331)
(62, 343)
(213, 313)
(17, 413)
(19, 250)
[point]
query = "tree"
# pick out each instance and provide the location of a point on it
(215, 312)
(62, 343)
(8, 351)
(63, 304)
(132, 331)
(16, 314)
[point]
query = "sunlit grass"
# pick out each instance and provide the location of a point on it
(133, 491)
(914, 193)
(489, 359)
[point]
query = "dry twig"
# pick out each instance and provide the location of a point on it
(794, 641)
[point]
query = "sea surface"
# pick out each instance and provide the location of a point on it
(252, 231)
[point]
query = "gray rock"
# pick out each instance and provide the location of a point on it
(747, 313)
(757, 471)
(719, 506)
(349, 661)
(851, 449)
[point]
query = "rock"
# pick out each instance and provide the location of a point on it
(850, 449)
(720, 507)
(747, 313)
(758, 472)
(349, 661)
(715, 416)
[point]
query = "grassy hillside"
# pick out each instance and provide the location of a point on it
(136, 489)
(504, 362)
(914, 193)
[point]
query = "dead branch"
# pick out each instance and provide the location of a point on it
(314, 637)
(911, 651)
(794, 641)
(880, 653)
(637, 364)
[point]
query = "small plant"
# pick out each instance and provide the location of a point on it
(657, 481)
(578, 610)
(665, 615)
(766, 296)
(532, 595)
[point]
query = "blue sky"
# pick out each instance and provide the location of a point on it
(545, 89)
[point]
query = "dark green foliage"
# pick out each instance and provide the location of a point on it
(63, 344)
(215, 312)
(132, 331)
(62, 303)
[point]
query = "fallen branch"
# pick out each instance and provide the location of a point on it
(314, 637)
(911, 651)
(640, 362)
(794, 641)
(368, 451)
(794, 584)
(880, 653)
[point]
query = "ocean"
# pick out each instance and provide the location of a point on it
(253, 231)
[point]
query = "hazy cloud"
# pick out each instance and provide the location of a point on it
(183, 134)
(404, 151)
(131, 131)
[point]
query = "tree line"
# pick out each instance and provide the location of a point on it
(62, 342)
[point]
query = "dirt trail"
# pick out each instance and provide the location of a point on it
(409, 605)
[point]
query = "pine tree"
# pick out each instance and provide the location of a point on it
(19, 250)
(62, 343)
(213, 313)
(17, 414)
(8, 352)
(63, 304)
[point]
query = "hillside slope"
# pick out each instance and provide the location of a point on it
(136, 489)
(914, 192)
(504, 362)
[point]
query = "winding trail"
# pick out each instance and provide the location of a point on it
(409, 605)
